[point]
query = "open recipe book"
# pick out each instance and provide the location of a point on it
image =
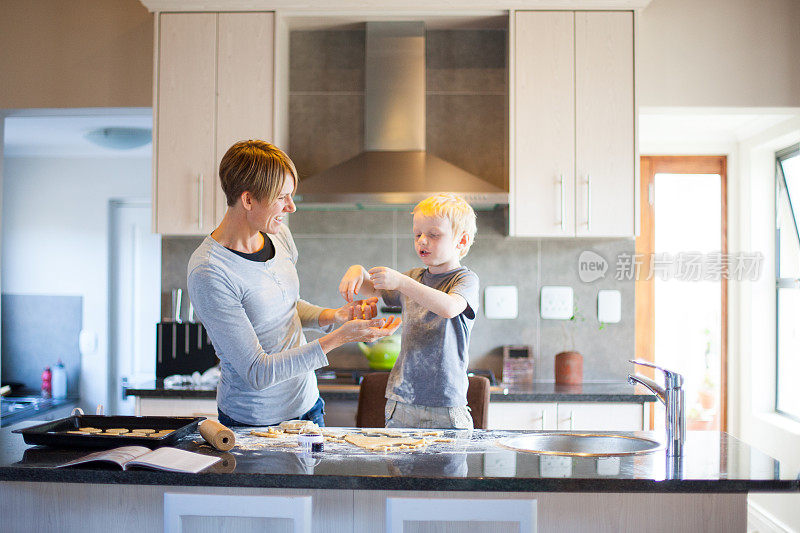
(166, 458)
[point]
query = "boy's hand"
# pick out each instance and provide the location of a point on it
(386, 279)
(351, 282)
(357, 310)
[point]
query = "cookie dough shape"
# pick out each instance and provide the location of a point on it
(384, 432)
(90, 430)
(296, 426)
(382, 443)
(271, 432)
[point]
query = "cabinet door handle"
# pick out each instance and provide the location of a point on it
(200, 201)
(562, 186)
(543, 422)
(588, 202)
(571, 420)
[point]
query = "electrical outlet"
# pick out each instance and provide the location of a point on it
(609, 306)
(556, 303)
(500, 301)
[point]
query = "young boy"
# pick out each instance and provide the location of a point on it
(427, 387)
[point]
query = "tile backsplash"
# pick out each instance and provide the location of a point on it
(330, 241)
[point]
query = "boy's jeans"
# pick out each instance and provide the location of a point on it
(404, 415)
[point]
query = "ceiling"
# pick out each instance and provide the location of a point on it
(63, 135)
(704, 125)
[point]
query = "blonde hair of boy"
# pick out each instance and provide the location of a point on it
(455, 209)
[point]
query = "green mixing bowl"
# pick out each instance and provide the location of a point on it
(381, 354)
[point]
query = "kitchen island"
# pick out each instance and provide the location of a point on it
(704, 490)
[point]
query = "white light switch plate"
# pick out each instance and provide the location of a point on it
(500, 301)
(609, 306)
(556, 303)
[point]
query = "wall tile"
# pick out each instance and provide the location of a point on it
(343, 222)
(323, 261)
(466, 60)
(492, 224)
(605, 349)
(175, 254)
(324, 130)
(470, 131)
(326, 61)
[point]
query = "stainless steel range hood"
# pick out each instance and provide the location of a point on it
(394, 169)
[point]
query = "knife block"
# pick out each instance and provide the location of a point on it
(183, 348)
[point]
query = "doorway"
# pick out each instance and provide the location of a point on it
(134, 305)
(681, 290)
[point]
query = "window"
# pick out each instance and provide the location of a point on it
(787, 266)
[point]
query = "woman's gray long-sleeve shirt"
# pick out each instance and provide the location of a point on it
(254, 317)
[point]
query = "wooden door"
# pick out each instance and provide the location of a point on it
(184, 123)
(245, 80)
(645, 248)
(544, 118)
(604, 143)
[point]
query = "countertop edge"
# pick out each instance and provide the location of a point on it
(333, 482)
(351, 393)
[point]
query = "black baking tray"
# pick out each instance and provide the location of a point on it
(53, 433)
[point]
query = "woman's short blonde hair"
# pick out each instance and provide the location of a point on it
(455, 209)
(257, 167)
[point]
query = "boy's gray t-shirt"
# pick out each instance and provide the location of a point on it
(431, 369)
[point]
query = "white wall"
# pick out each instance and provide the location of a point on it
(55, 221)
(753, 318)
(719, 53)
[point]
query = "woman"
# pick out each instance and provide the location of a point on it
(244, 287)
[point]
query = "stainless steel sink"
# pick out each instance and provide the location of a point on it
(580, 444)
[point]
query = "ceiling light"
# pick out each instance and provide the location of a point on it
(120, 138)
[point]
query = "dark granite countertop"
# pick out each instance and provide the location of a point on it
(537, 392)
(713, 463)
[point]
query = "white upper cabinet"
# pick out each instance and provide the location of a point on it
(573, 116)
(214, 87)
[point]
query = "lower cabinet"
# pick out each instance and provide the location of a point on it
(581, 416)
(176, 407)
(338, 413)
(522, 415)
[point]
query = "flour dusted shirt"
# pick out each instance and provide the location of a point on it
(254, 317)
(431, 369)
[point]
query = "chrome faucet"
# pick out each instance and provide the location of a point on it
(671, 395)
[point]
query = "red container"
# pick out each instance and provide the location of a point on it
(569, 368)
(47, 383)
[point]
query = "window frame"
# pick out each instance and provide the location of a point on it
(782, 283)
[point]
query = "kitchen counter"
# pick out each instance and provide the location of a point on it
(350, 488)
(713, 462)
(537, 392)
(16, 409)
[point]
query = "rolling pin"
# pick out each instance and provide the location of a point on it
(217, 435)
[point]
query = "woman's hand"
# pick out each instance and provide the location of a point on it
(385, 278)
(352, 281)
(356, 310)
(359, 330)
(369, 330)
